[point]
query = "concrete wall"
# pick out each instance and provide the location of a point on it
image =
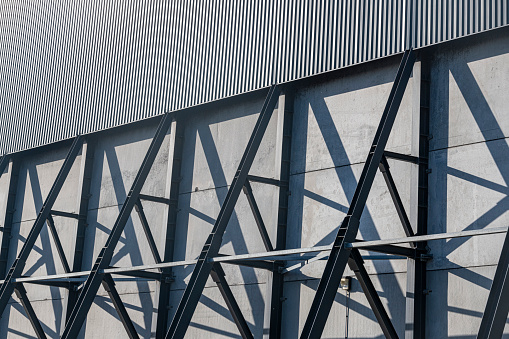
(334, 123)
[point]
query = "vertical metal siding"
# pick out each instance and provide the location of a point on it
(69, 68)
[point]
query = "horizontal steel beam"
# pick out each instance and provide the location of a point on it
(152, 198)
(421, 238)
(263, 180)
(274, 255)
(402, 157)
(64, 214)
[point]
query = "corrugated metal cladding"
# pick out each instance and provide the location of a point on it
(70, 67)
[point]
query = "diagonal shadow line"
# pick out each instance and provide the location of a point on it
(127, 306)
(121, 252)
(484, 220)
(106, 231)
(135, 253)
(471, 276)
(460, 310)
(325, 201)
(21, 334)
(35, 248)
(46, 244)
(202, 216)
(210, 329)
(359, 308)
(477, 180)
(486, 121)
(219, 179)
(331, 137)
(482, 113)
(38, 264)
(218, 308)
(104, 304)
(46, 329)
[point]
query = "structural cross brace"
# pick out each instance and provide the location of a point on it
(211, 248)
(339, 256)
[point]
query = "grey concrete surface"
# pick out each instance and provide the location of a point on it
(334, 124)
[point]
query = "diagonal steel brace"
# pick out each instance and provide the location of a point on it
(17, 267)
(211, 248)
(86, 297)
(329, 283)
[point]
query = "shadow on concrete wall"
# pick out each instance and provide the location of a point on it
(486, 121)
(475, 97)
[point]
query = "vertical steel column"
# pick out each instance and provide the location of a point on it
(276, 279)
(9, 213)
(17, 267)
(416, 268)
(85, 183)
(89, 291)
(497, 306)
(339, 255)
(172, 187)
(203, 267)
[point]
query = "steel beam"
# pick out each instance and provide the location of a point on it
(258, 216)
(84, 188)
(394, 250)
(152, 198)
(416, 269)
(402, 157)
(56, 239)
(9, 214)
(64, 214)
(86, 297)
(218, 276)
(393, 190)
(356, 264)
(262, 180)
(329, 283)
(172, 190)
(262, 264)
(17, 267)
(21, 293)
(203, 268)
(497, 307)
(274, 310)
(267, 256)
(109, 286)
(148, 233)
(142, 274)
(4, 161)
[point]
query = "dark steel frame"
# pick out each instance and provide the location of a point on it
(345, 249)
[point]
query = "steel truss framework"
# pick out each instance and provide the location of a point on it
(344, 250)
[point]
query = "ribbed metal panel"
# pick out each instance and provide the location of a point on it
(82, 66)
(440, 20)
